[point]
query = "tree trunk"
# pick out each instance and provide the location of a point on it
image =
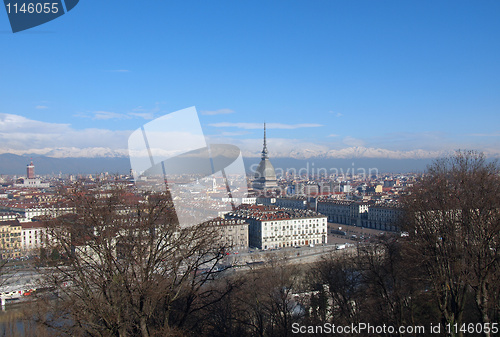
(144, 326)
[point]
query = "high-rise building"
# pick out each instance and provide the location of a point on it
(30, 171)
(31, 180)
(265, 177)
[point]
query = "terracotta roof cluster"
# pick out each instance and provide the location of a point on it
(10, 223)
(265, 213)
(29, 225)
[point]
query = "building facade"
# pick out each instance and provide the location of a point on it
(273, 227)
(26, 211)
(233, 232)
(30, 171)
(363, 214)
(299, 202)
(383, 216)
(31, 180)
(32, 237)
(341, 211)
(10, 245)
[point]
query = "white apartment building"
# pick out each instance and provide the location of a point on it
(273, 227)
(32, 237)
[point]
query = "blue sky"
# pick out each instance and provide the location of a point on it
(332, 78)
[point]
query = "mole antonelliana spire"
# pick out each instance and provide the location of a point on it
(264, 150)
(265, 177)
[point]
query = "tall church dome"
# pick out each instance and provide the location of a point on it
(265, 177)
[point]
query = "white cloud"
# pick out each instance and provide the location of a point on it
(351, 141)
(217, 112)
(250, 126)
(230, 134)
(139, 112)
(337, 114)
(496, 134)
(145, 115)
(10, 123)
(74, 152)
(41, 107)
(104, 115)
(333, 135)
(20, 135)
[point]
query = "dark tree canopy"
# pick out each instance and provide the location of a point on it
(453, 221)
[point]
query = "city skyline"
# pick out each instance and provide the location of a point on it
(330, 79)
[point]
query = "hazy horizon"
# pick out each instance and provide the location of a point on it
(11, 164)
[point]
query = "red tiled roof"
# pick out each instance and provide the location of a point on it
(28, 225)
(10, 223)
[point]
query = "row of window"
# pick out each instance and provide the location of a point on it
(10, 234)
(290, 244)
(295, 234)
(295, 226)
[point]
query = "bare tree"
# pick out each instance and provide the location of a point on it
(282, 283)
(266, 302)
(452, 217)
(126, 267)
(340, 274)
(391, 281)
